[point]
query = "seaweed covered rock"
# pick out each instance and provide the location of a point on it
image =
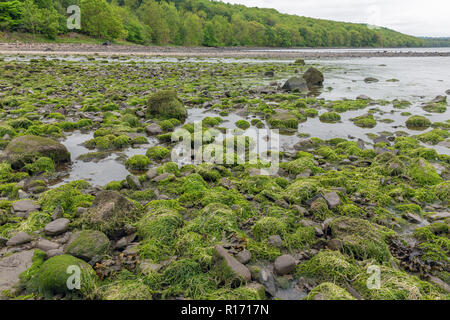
(127, 290)
(110, 213)
(28, 148)
(52, 277)
(87, 244)
(361, 238)
(329, 291)
(165, 104)
(313, 77)
(283, 120)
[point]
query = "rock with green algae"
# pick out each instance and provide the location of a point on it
(283, 120)
(329, 291)
(251, 291)
(423, 173)
(229, 269)
(25, 149)
(397, 285)
(110, 213)
(165, 104)
(362, 239)
(127, 290)
(52, 277)
(301, 190)
(87, 244)
(418, 122)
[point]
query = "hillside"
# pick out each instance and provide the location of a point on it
(191, 23)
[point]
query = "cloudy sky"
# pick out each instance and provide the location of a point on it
(414, 17)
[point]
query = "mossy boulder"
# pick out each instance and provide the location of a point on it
(157, 153)
(88, 244)
(418, 122)
(28, 148)
(423, 173)
(330, 117)
(283, 120)
(165, 104)
(329, 291)
(110, 213)
(127, 290)
(52, 277)
(300, 191)
(330, 266)
(313, 77)
(362, 239)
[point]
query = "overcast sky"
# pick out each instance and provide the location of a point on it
(415, 17)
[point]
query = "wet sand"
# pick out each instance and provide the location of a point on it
(235, 52)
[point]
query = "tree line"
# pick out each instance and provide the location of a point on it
(193, 23)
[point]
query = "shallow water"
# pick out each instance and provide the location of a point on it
(420, 80)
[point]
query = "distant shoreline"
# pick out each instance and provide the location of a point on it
(226, 52)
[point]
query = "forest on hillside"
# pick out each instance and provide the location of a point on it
(192, 23)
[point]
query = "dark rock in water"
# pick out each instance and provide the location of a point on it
(57, 227)
(18, 239)
(313, 77)
(107, 43)
(439, 99)
(284, 264)
(224, 261)
(295, 83)
(370, 80)
(363, 97)
(25, 149)
(269, 74)
(447, 92)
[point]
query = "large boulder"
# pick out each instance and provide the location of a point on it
(110, 213)
(166, 104)
(87, 244)
(295, 84)
(11, 267)
(53, 277)
(313, 77)
(26, 149)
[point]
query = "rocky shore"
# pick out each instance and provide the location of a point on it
(336, 212)
(239, 52)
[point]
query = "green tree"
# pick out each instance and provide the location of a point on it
(99, 19)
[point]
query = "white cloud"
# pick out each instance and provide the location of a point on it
(414, 17)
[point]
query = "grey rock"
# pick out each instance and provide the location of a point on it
(161, 177)
(18, 239)
(335, 244)
(134, 182)
(151, 173)
(440, 283)
(304, 144)
(275, 241)
(284, 264)
(332, 199)
(363, 97)
(240, 272)
(22, 194)
(46, 245)
(244, 256)
(267, 279)
(22, 207)
(370, 80)
(439, 99)
(57, 227)
(153, 129)
(87, 244)
(447, 92)
(11, 267)
(54, 252)
(414, 218)
(440, 216)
